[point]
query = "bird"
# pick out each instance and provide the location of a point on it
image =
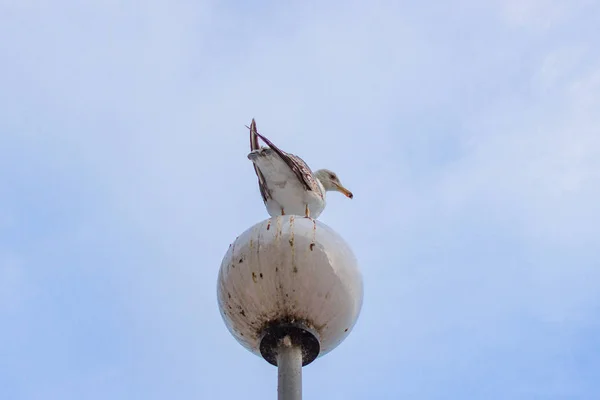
(286, 183)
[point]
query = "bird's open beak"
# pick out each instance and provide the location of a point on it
(344, 191)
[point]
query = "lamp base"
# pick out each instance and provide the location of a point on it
(300, 335)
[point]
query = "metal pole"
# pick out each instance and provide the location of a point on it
(289, 371)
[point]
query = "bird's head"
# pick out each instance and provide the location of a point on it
(331, 182)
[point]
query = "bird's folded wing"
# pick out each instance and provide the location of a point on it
(296, 164)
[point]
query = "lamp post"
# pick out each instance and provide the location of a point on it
(289, 290)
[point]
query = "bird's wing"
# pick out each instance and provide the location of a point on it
(253, 138)
(306, 172)
(296, 164)
(262, 184)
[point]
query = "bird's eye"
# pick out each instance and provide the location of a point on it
(332, 176)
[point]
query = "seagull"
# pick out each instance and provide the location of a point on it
(287, 184)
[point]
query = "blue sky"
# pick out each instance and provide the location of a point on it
(468, 131)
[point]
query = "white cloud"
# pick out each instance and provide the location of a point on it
(537, 162)
(541, 15)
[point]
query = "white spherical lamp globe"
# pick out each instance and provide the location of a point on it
(289, 276)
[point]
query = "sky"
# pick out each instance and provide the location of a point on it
(468, 132)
